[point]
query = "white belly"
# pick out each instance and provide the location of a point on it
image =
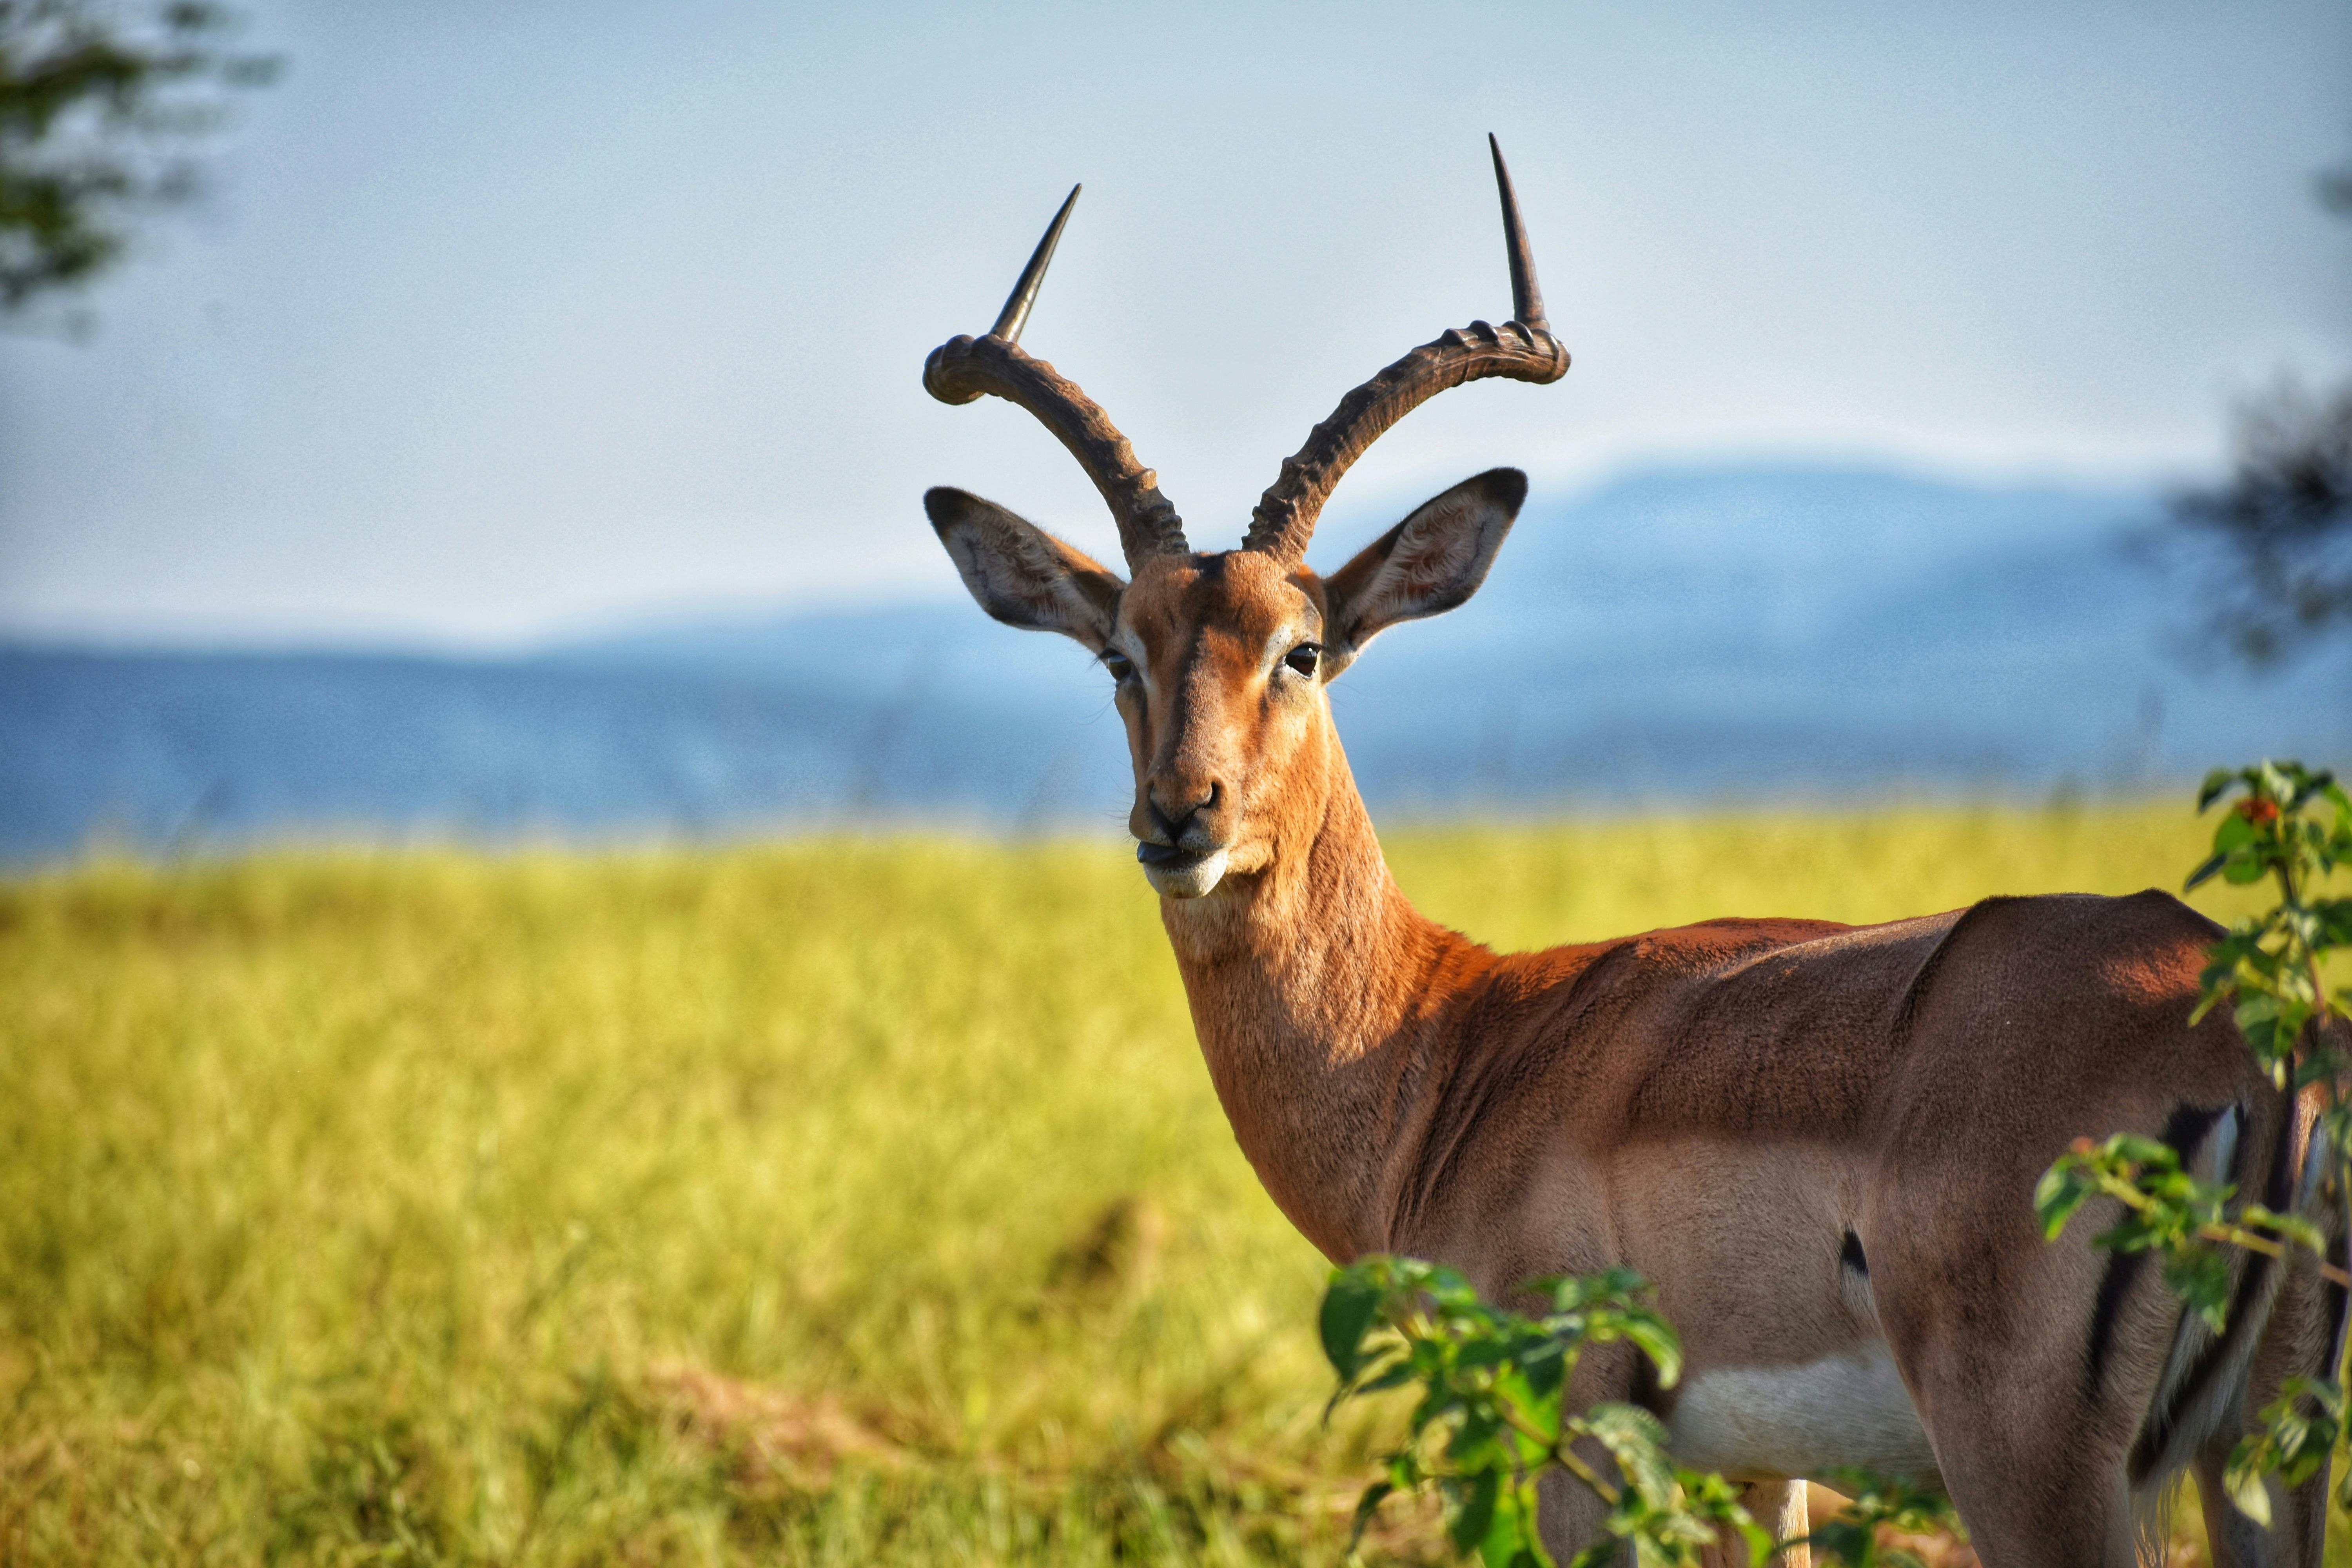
(1755, 1422)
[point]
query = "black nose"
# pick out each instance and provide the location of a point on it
(1173, 824)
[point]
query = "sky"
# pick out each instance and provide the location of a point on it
(504, 323)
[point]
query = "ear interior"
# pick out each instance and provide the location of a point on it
(1425, 565)
(1020, 573)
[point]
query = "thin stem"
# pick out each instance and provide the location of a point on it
(1584, 1472)
(1558, 1451)
(2235, 1235)
(2250, 1240)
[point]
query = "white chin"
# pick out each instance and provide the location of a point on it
(1188, 881)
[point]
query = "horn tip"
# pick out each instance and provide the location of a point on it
(1016, 314)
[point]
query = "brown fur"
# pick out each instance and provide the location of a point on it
(1717, 1106)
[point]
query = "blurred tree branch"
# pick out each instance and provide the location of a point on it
(2273, 543)
(100, 105)
(2277, 537)
(2336, 189)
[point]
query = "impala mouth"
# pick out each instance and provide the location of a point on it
(1179, 873)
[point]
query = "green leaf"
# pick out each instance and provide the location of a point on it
(2060, 1192)
(2334, 921)
(1366, 1506)
(2247, 1492)
(2143, 1150)
(1481, 1352)
(1473, 1441)
(1544, 1365)
(1352, 1304)
(1638, 1443)
(1511, 1532)
(2199, 1276)
(1473, 1509)
(1657, 1339)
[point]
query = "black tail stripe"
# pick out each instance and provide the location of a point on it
(2183, 1131)
(2156, 1434)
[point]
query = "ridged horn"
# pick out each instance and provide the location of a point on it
(1522, 349)
(963, 368)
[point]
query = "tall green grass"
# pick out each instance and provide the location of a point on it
(826, 1202)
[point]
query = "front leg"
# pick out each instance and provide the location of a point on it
(1779, 1507)
(1571, 1514)
(1568, 1514)
(1571, 1517)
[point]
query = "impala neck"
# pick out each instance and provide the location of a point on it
(1316, 991)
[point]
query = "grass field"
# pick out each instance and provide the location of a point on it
(829, 1201)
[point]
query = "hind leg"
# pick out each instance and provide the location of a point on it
(2035, 1504)
(2039, 1481)
(2298, 1534)
(2036, 1472)
(2302, 1338)
(2034, 1461)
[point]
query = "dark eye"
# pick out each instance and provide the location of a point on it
(1303, 659)
(1117, 663)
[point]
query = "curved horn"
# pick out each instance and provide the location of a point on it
(1521, 348)
(962, 369)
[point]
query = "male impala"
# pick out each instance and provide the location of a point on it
(1819, 1141)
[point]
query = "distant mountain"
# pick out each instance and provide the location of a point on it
(1701, 634)
(1774, 632)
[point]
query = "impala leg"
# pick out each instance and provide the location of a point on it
(2037, 1487)
(1789, 1519)
(2232, 1540)
(1779, 1507)
(1569, 1516)
(2029, 1507)
(2298, 1536)
(2304, 1338)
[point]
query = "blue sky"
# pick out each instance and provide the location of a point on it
(512, 320)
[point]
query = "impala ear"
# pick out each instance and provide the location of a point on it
(1020, 573)
(1426, 564)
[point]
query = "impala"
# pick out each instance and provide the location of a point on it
(1819, 1141)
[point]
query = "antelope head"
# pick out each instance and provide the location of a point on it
(1221, 661)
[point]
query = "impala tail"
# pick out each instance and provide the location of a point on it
(2283, 1320)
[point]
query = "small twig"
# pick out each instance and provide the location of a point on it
(2235, 1235)
(1558, 1452)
